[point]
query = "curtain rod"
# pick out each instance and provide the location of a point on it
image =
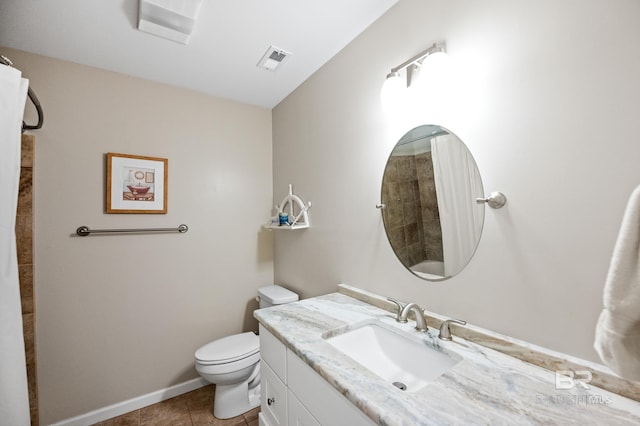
(32, 95)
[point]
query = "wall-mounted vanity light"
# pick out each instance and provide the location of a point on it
(394, 89)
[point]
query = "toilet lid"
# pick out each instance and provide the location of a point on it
(228, 349)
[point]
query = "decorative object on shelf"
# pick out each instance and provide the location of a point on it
(136, 184)
(296, 216)
(283, 219)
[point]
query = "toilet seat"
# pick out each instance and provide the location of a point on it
(228, 349)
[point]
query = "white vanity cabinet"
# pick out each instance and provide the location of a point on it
(292, 394)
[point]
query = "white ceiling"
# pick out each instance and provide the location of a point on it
(229, 39)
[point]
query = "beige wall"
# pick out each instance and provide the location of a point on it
(121, 316)
(549, 110)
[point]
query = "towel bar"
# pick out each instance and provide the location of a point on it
(83, 231)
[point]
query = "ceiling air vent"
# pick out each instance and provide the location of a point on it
(272, 58)
(170, 19)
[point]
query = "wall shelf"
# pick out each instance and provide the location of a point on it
(298, 213)
(286, 227)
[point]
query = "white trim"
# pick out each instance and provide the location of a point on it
(263, 420)
(133, 404)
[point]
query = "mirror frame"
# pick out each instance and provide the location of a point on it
(418, 201)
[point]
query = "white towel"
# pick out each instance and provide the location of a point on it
(618, 330)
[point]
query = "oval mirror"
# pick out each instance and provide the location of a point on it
(429, 191)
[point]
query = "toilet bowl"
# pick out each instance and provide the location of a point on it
(232, 363)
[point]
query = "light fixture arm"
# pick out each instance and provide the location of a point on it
(393, 89)
(435, 47)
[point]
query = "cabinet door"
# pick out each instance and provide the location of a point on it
(323, 401)
(273, 394)
(274, 353)
(298, 414)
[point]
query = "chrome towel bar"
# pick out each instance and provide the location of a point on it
(83, 231)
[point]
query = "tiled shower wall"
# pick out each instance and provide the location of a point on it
(411, 214)
(429, 205)
(24, 240)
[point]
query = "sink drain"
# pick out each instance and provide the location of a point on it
(400, 385)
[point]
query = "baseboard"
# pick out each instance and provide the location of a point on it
(262, 420)
(133, 404)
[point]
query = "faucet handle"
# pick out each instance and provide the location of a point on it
(401, 307)
(445, 331)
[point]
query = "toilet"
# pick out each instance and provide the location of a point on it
(232, 363)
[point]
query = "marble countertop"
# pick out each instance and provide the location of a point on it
(486, 387)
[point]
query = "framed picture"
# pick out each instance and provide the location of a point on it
(136, 184)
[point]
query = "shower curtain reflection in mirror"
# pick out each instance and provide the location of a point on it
(14, 398)
(458, 184)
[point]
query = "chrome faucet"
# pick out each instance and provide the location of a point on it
(403, 312)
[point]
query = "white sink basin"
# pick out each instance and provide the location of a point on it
(406, 362)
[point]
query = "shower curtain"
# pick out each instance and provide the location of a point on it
(14, 396)
(458, 184)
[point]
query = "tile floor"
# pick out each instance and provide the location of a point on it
(190, 409)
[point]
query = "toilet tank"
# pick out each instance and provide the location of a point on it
(275, 295)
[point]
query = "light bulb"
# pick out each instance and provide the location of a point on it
(437, 65)
(393, 92)
(434, 85)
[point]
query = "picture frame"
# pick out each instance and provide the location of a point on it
(136, 184)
